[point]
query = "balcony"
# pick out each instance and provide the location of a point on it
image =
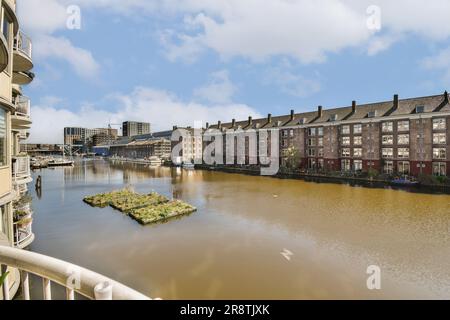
(21, 119)
(22, 77)
(21, 172)
(23, 49)
(76, 280)
(23, 234)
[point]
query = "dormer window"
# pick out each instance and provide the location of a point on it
(372, 114)
(420, 109)
(333, 117)
(302, 121)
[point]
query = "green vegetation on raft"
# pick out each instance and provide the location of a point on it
(145, 209)
(152, 214)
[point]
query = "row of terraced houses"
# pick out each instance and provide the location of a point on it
(396, 137)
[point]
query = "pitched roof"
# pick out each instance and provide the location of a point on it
(436, 103)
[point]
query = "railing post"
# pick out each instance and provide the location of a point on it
(47, 289)
(70, 294)
(5, 285)
(25, 285)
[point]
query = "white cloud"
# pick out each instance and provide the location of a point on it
(161, 108)
(219, 90)
(291, 83)
(439, 62)
(41, 19)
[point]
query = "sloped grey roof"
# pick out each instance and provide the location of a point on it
(405, 107)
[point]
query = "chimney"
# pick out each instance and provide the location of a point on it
(269, 118)
(219, 125)
(320, 112)
(396, 102)
(446, 96)
(233, 123)
(353, 106)
(175, 128)
(207, 125)
(250, 121)
(292, 115)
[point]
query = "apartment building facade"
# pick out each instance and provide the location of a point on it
(142, 149)
(398, 137)
(85, 137)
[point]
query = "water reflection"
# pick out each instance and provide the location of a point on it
(231, 248)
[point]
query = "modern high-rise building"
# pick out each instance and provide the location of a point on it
(132, 128)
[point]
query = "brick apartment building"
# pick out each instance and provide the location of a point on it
(401, 136)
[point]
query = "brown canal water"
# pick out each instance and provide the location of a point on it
(232, 247)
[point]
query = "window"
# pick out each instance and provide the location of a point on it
(420, 109)
(345, 129)
(346, 152)
(311, 152)
(357, 152)
(439, 124)
(320, 142)
(3, 143)
(439, 169)
(403, 125)
(6, 27)
(345, 141)
(403, 153)
(285, 133)
(439, 138)
(333, 117)
(320, 131)
(357, 165)
(388, 153)
(403, 167)
(387, 140)
(403, 139)
(320, 165)
(312, 142)
(388, 167)
(320, 153)
(285, 143)
(312, 131)
(291, 133)
(372, 114)
(387, 126)
(439, 153)
(357, 141)
(346, 165)
(357, 129)
(312, 164)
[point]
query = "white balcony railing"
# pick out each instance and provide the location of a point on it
(23, 106)
(23, 44)
(21, 167)
(23, 232)
(74, 278)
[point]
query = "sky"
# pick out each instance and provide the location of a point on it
(177, 62)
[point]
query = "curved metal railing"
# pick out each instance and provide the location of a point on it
(74, 278)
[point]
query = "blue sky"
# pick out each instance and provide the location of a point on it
(174, 62)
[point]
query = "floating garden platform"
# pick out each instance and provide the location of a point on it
(145, 209)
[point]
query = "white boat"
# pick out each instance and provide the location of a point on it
(60, 163)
